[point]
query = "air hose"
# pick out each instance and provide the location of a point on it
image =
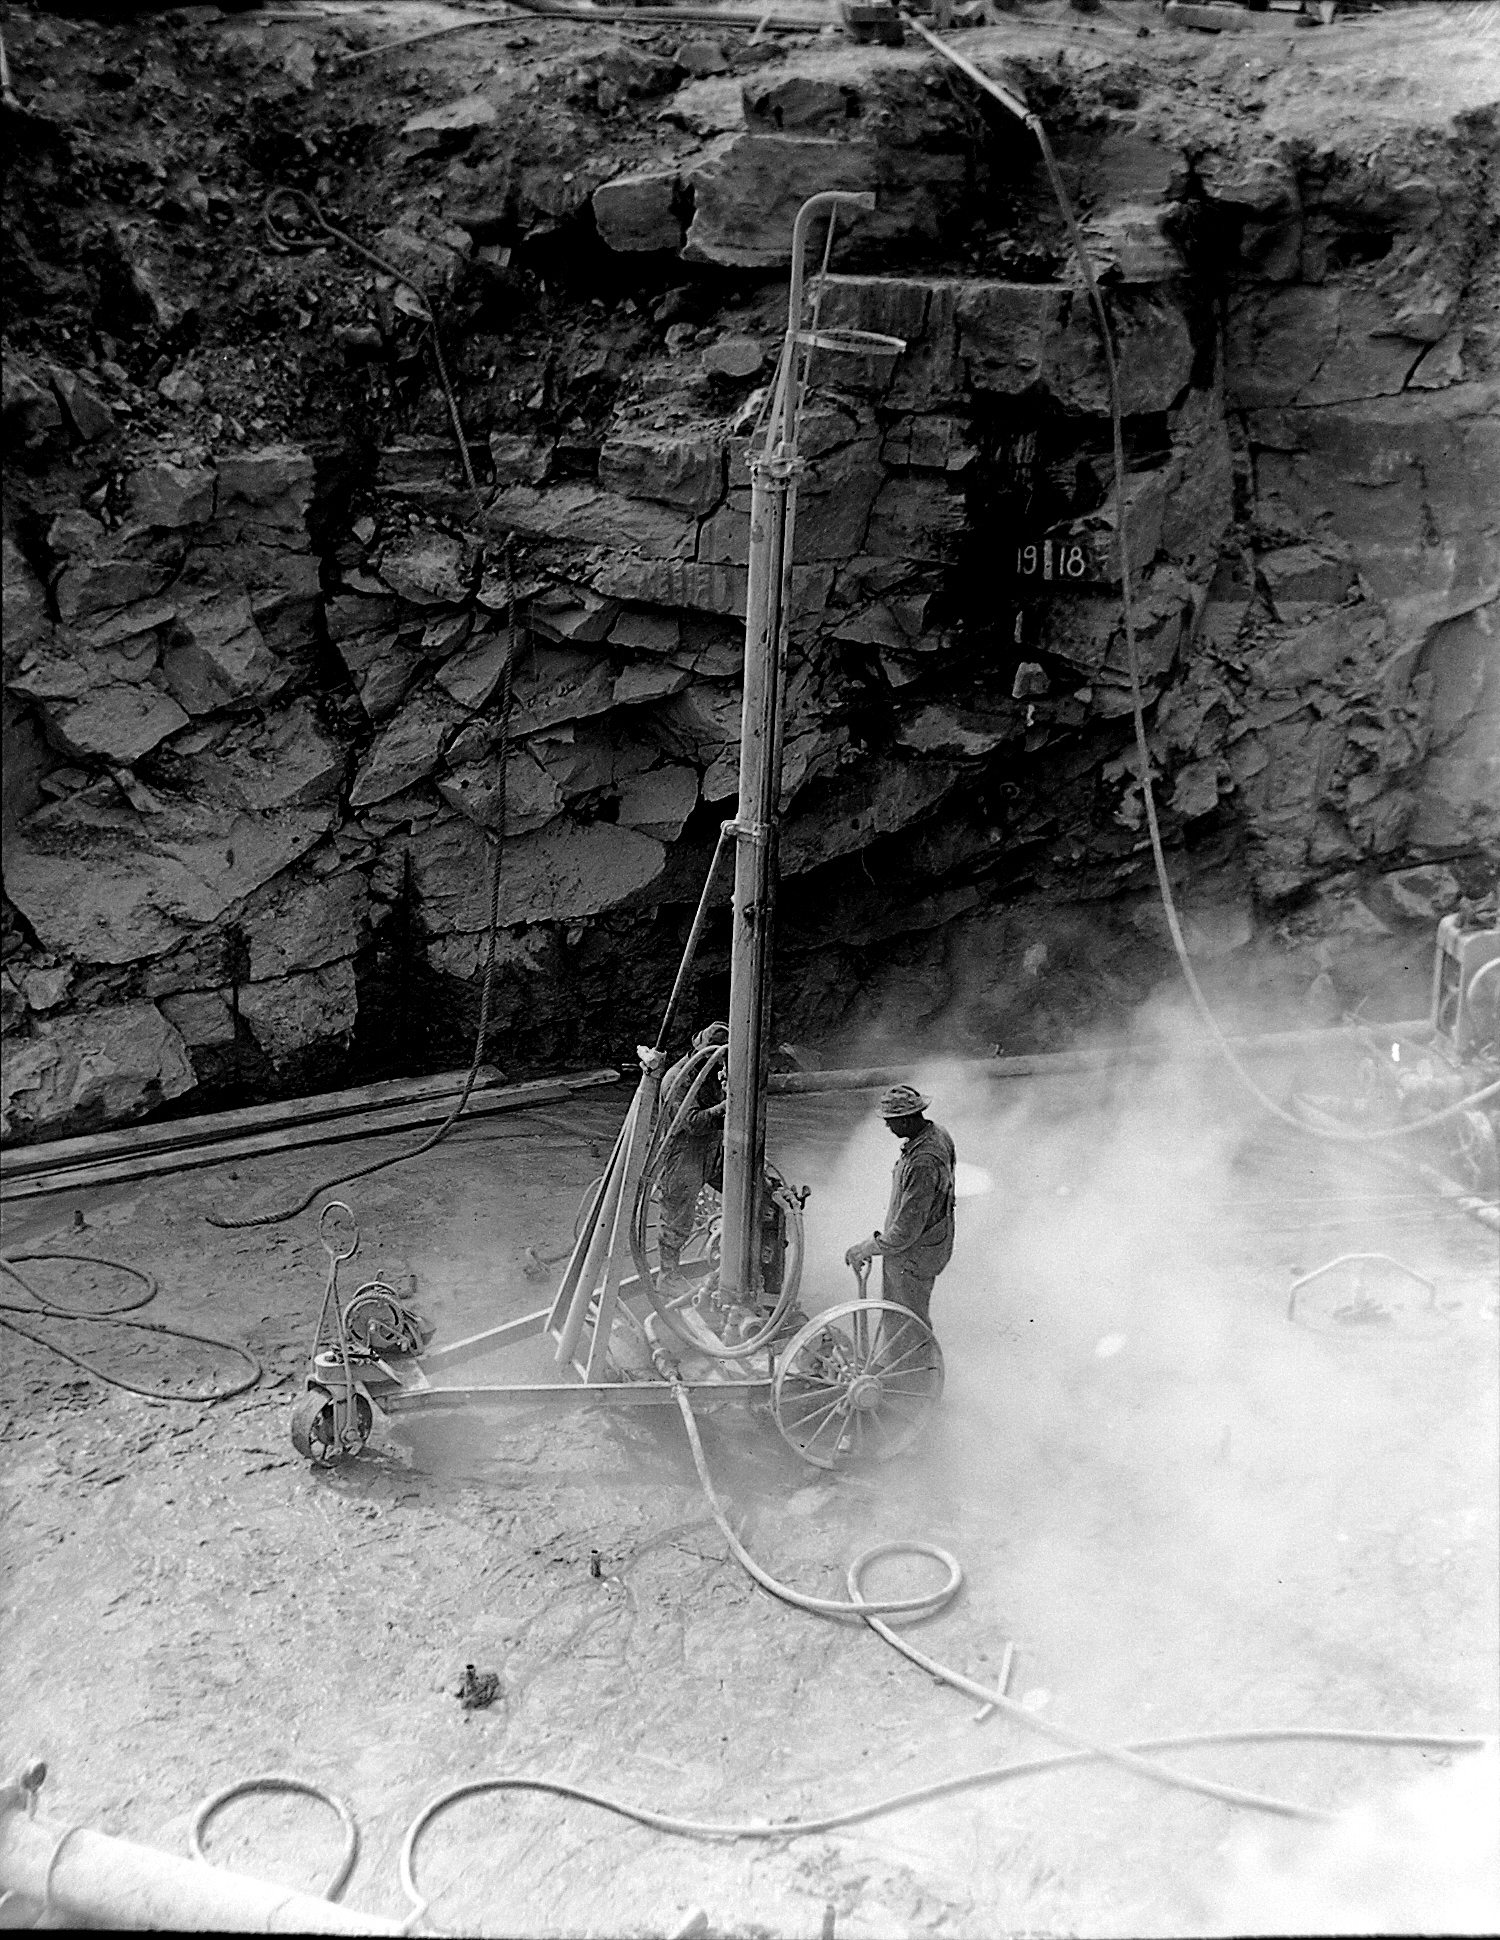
(1015, 105)
(698, 1067)
(280, 1782)
(1138, 1756)
(40, 1307)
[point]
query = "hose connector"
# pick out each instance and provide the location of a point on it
(665, 1365)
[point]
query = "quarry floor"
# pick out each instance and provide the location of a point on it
(1186, 1512)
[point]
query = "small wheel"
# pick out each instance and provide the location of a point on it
(313, 1433)
(856, 1384)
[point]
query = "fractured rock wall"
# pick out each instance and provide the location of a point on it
(257, 630)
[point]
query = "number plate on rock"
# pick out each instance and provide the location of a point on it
(1072, 560)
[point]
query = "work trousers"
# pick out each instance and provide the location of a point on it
(905, 1287)
(683, 1177)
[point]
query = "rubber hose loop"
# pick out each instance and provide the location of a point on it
(280, 1782)
(43, 1308)
(148, 1280)
(907, 1546)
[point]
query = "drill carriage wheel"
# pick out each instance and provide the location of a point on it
(857, 1383)
(314, 1434)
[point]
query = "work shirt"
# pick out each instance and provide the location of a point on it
(699, 1144)
(919, 1221)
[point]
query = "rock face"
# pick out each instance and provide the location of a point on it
(100, 1067)
(278, 684)
(639, 213)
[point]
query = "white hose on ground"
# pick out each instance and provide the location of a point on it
(873, 1614)
(1134, 1757)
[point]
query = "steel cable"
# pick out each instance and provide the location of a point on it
(497, 829)
(316, 216)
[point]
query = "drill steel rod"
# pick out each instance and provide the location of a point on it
(768, 602)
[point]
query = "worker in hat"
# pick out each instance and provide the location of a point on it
(916, 1241)
(696, 1157)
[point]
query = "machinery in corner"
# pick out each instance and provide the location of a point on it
(1447, 1065)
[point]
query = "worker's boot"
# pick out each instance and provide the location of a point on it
(669, 1272)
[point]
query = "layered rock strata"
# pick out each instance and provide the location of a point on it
(254, 690)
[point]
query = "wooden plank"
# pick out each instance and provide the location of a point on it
(395, 1118)
(1041, 1064)
(162, 1136)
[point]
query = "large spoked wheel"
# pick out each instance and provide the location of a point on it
(315, 1435)
(857, 1383)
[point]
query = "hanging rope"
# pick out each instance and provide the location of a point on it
(497, 835)
(315, 216)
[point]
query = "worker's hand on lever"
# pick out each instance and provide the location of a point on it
(861, 1253)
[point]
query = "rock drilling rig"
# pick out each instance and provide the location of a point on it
(856, 1381)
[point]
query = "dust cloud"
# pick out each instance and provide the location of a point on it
(1425, 1859)
(1190, 1513)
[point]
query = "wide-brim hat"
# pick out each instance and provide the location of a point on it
(902, 1101)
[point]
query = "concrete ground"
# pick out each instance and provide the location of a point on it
(1186, 1511)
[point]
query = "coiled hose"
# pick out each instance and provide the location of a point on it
(40, 1307)
(698, 1068)
(1137, 1757)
